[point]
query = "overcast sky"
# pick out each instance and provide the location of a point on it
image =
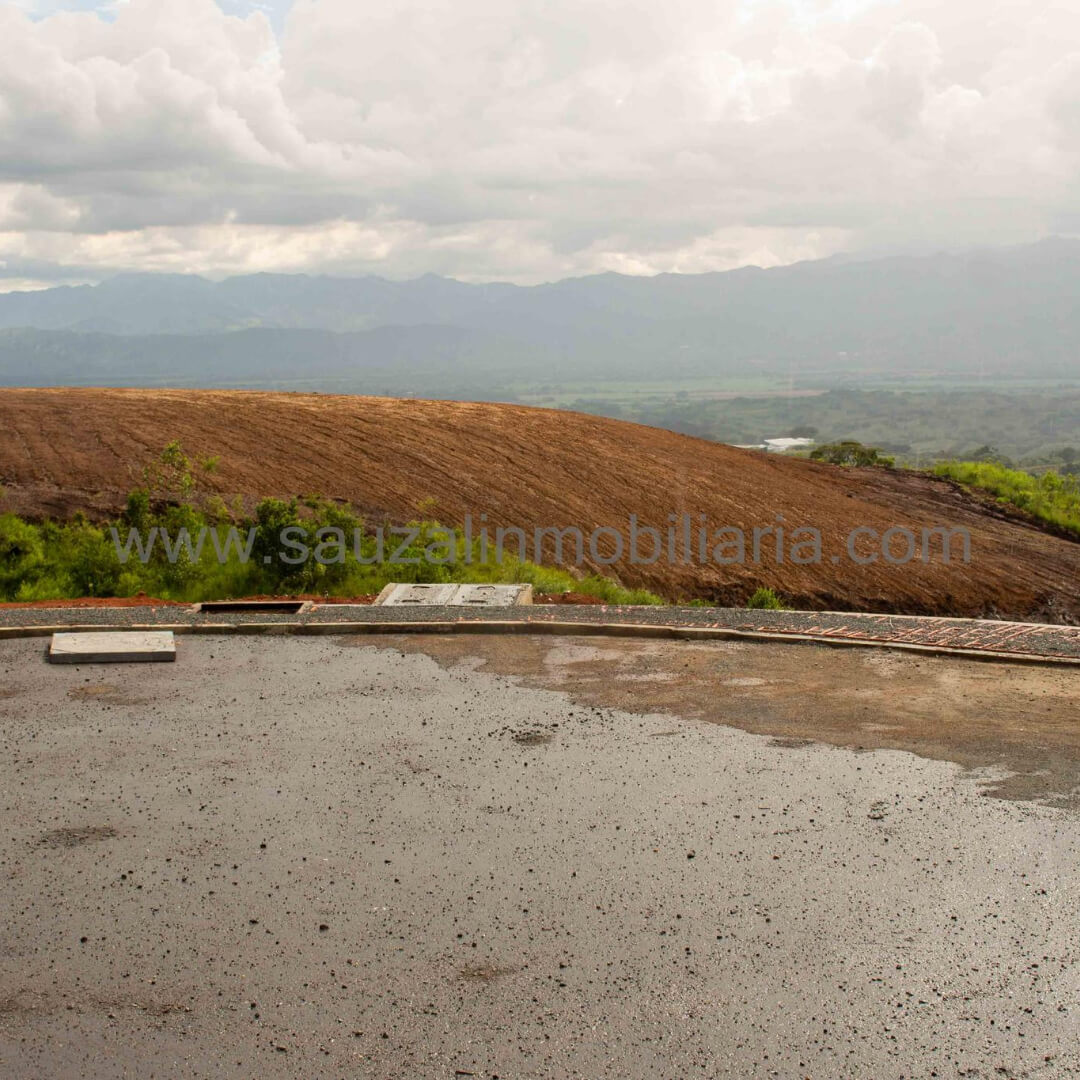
(527, 140)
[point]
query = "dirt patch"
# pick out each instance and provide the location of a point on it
(82, 450)
(1020, 722)
(104, 694)
(95, 602)
(76, 835)
(533, 738)
(566, 598)
(22, 1003)
(30, 1003)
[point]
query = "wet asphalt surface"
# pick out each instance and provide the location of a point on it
(285, 857)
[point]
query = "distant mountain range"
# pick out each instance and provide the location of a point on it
(996, 311)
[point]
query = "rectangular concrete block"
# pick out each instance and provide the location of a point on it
(455, 595)
(492, 595)
(416, 595)
(137, 647)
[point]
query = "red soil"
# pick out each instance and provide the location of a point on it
(83, 450)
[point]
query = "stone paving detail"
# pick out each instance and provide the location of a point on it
(984, 635)
(1021, 639)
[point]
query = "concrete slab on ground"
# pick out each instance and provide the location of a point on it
(472, 596)
(415, 595)
(492, 595)
(138, 647)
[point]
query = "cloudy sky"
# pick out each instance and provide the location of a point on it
(527, 140)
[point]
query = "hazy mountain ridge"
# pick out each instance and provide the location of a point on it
(386, 359)
(995, 310)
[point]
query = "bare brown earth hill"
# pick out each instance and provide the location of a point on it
(63, 451)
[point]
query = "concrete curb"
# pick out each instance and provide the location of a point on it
(567, 629)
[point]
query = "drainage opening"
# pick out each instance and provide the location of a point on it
(281, 607)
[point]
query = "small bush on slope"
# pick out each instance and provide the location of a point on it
(765, 600)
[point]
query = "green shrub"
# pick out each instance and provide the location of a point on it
(765, 600)
(612, 593)
(851, 453)
(22, 554)
(91, 561)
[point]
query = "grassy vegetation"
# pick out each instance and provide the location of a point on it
(75, 559)
(1051, 497)
(71, 560)
(54, 561)
(765, 600)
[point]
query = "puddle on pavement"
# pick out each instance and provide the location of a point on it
(1017, 720)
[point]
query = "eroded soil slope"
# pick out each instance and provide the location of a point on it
(68, 450)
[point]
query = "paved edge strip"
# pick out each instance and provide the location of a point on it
(551, 629)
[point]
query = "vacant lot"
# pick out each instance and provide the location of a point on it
(69, 450)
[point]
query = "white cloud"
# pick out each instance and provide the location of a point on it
(526, 139)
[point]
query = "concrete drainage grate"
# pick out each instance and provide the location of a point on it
(254, 607)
